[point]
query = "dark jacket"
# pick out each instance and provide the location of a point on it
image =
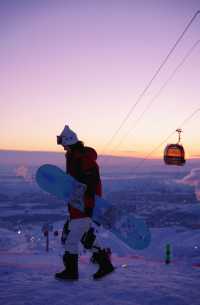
(82, 165)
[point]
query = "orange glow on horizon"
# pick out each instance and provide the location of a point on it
(58, 150)
(143, 153)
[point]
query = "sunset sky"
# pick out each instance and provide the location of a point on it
(84, 64)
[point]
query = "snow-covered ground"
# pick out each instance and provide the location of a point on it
(141, 277)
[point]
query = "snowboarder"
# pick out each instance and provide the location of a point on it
(82, 165)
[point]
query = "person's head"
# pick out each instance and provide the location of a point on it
(68, 139)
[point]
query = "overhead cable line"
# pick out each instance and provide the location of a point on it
(158, 93)
(163, 142)
(152, 79)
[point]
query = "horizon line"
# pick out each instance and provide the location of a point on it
(99, 155)
(54, 151)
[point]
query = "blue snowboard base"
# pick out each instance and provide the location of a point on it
(131, 230)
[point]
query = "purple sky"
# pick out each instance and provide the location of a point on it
(84, 63)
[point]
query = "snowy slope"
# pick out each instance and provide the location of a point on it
(27, 274)
(171, 210)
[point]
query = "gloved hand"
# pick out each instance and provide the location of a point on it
(89, 212)
(78, 192)
(76, 198)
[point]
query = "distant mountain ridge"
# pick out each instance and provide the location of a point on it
(36, 158)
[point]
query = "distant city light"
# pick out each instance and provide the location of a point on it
(196, 247)
(19, 232)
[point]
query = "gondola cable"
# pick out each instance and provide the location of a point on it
(152, 79)
(140, 163)
(189, 52)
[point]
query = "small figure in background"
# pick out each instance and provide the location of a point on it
(168, 254)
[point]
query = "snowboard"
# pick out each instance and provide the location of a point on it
(131, 230)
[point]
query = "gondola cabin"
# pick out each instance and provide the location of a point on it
(174, 154)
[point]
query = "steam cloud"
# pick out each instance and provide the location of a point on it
(193, 179)
(23, 171)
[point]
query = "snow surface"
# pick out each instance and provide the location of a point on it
(141, 277)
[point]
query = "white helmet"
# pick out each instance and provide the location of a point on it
(68, 137)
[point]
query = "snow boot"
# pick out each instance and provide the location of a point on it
(71, 267)
(95, 254)
(105, 265)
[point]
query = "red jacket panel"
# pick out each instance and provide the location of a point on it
(84, 168)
